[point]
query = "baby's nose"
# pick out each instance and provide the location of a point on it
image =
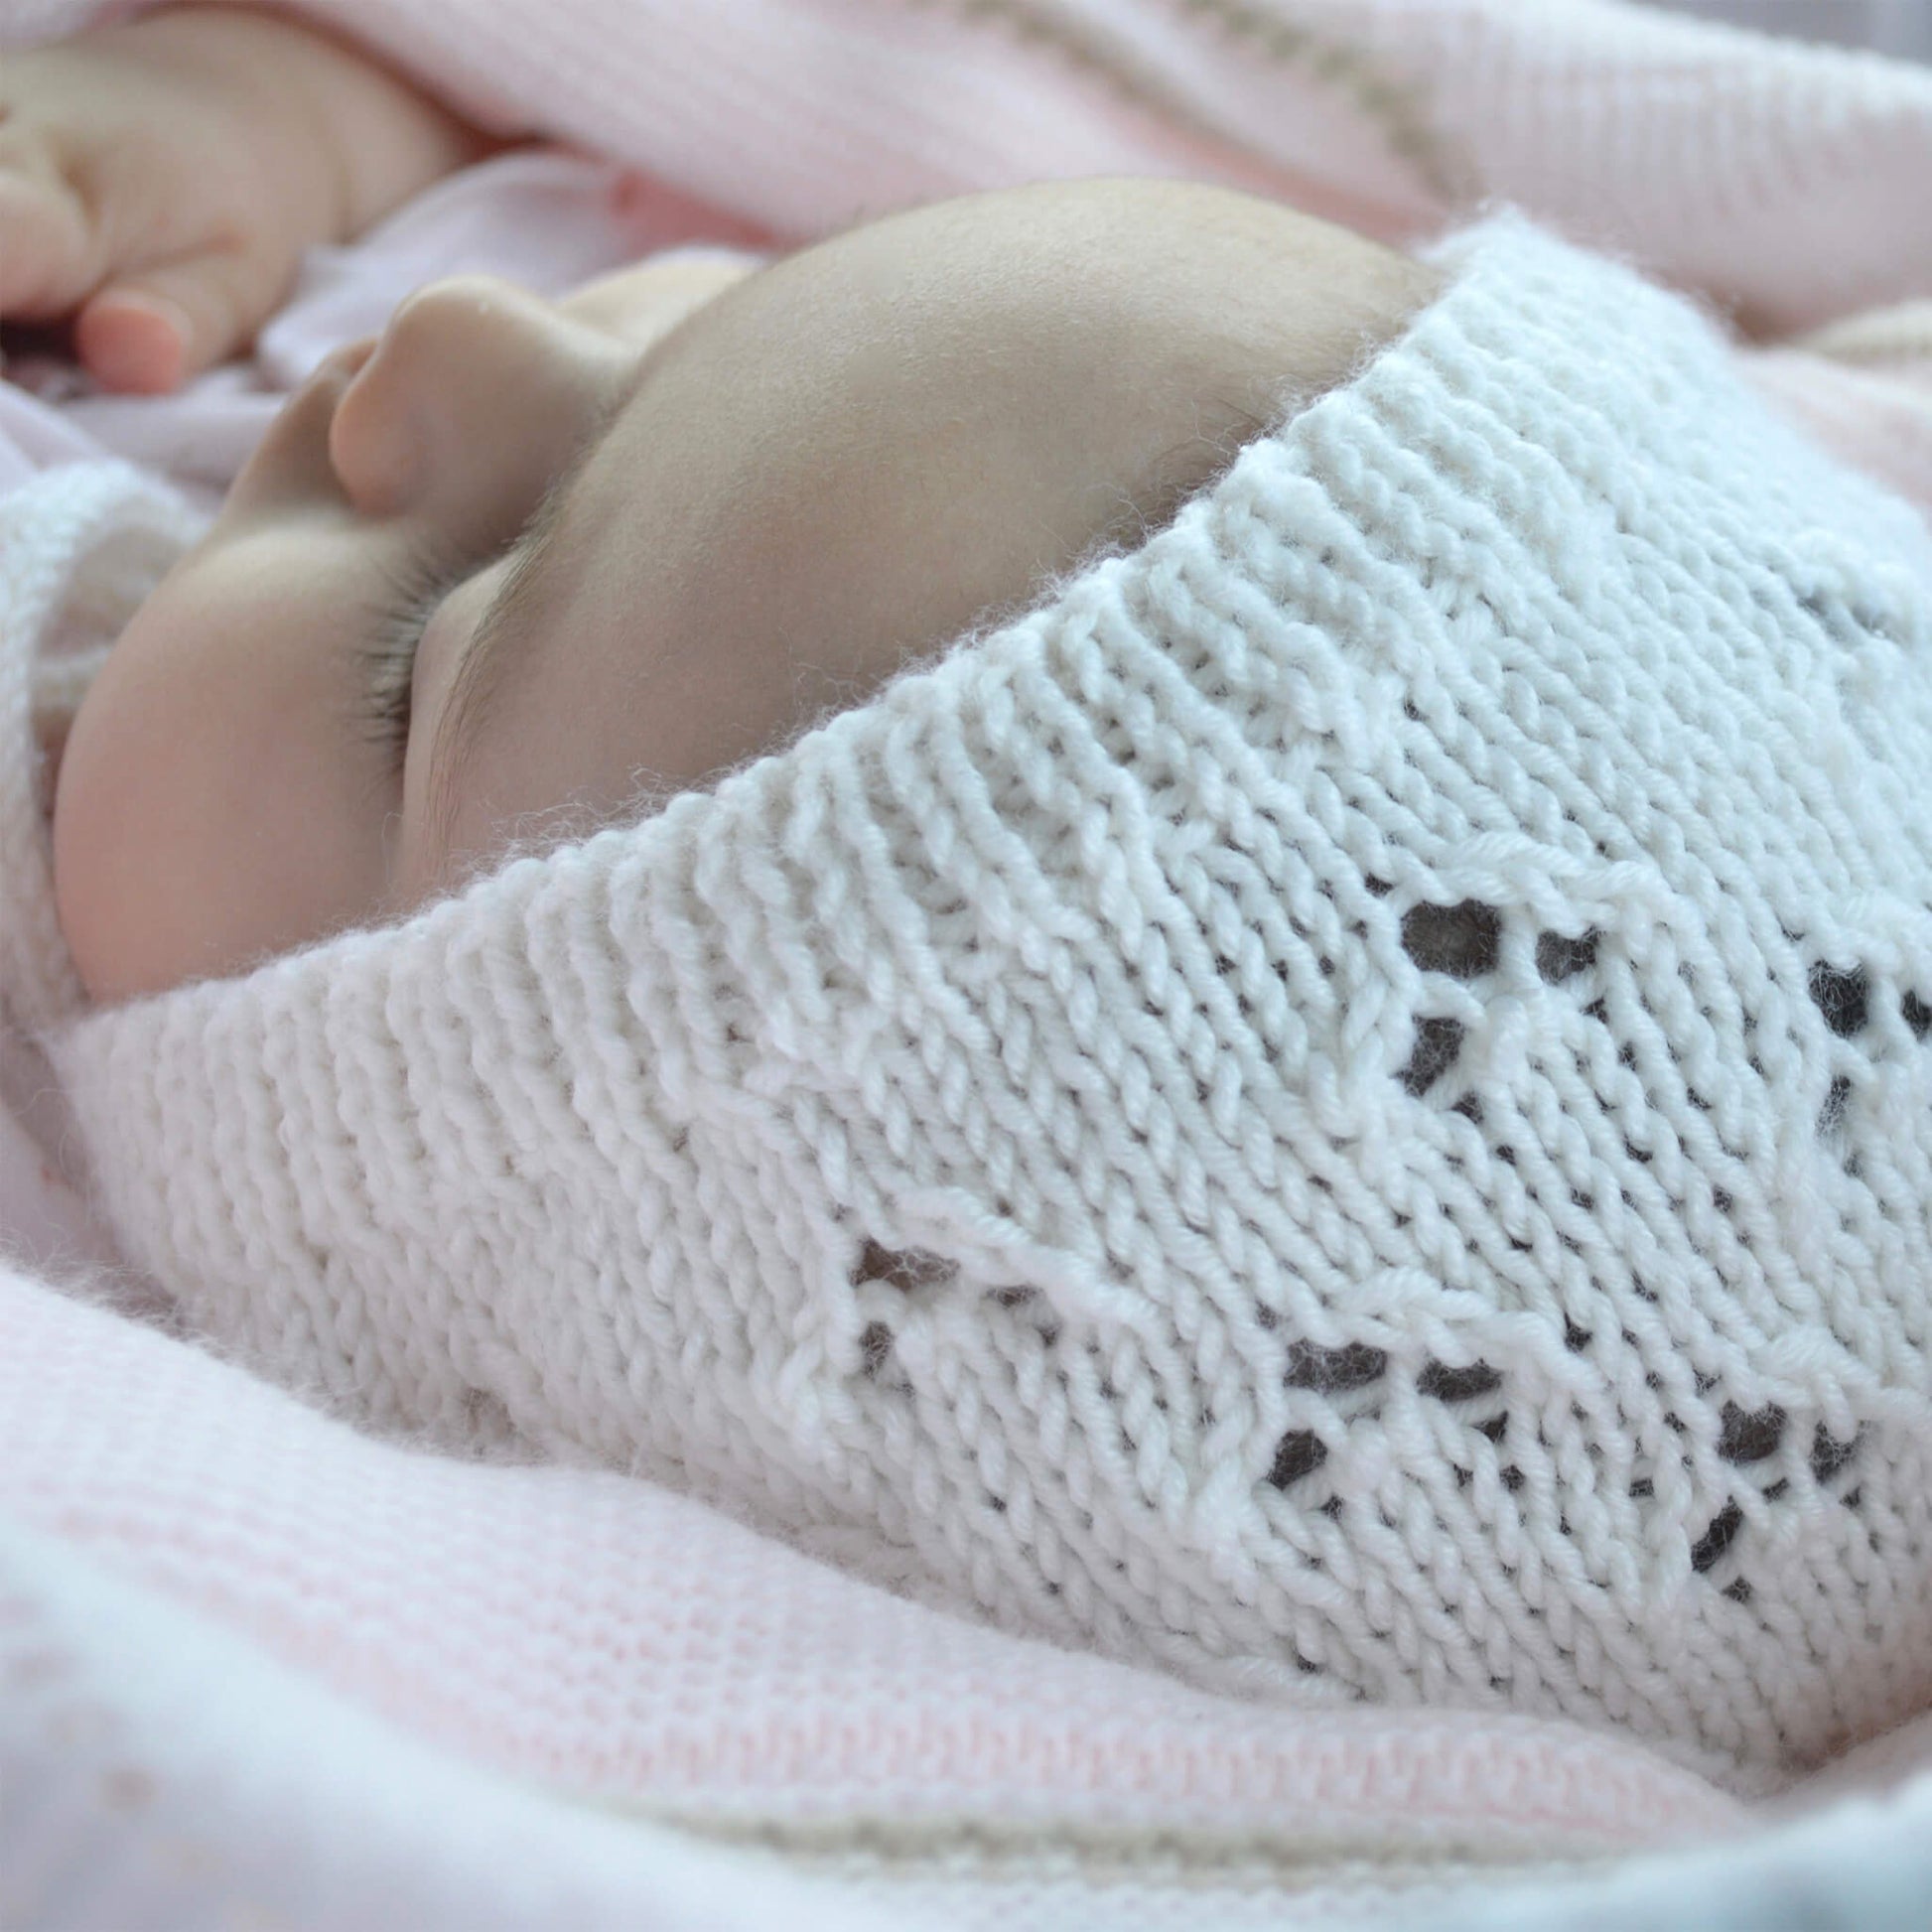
(473, 394)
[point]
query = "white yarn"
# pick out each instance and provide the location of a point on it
(1348, 1108)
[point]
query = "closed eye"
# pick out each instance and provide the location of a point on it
(387, 661)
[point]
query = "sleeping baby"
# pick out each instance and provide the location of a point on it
(1156, 922)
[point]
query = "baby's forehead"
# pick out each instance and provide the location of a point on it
(869, 449)
(976, 357)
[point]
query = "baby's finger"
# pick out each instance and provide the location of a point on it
(44, 242)
(149, 332)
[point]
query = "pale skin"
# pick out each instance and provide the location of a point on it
(787, 483)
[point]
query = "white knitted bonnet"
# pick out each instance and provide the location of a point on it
(1346, 1108)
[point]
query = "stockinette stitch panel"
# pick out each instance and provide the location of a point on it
(1344, 1108)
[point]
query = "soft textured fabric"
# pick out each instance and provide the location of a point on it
(616, 1643)
(1787, 180)
(1340, 1109)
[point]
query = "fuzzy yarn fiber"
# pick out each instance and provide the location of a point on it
(1344, 1108)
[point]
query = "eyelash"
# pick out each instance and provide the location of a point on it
(388, 658)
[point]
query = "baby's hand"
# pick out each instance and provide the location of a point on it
(160, 180)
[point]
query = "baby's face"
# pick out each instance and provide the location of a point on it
(653, 529)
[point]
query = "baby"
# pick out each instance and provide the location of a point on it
(1155, 921)
(357, 688)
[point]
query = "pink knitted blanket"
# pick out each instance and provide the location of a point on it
(257, 1668)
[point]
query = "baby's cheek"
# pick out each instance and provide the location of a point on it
(207, 815)
(121, 886)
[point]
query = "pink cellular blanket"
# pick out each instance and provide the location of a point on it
(256, 1668)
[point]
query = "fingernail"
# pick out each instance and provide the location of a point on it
(152, 355)
(164, 309)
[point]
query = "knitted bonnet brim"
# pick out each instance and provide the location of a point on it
(1343, 1109)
